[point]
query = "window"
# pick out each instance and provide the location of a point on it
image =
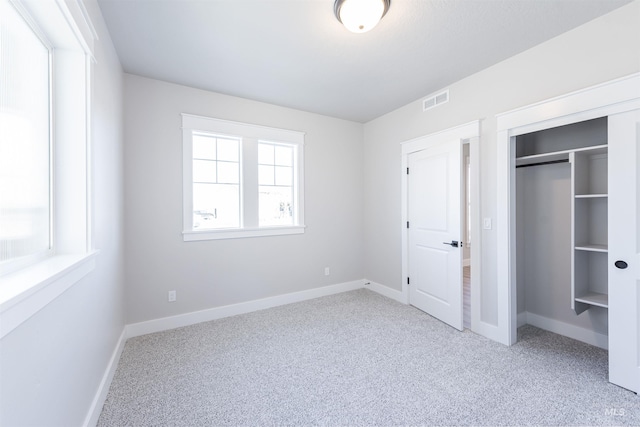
(275, 181)
(216, 182)
(240, 180)
(45, 69)
(25, 154)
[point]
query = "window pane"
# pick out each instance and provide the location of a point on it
(284, 175)
(24, 139)
(204, 147)
(216, 206)
(228, 173)
(265, 175)
(265, 154)
(228, 149)
(284, 155)
(204, 171)
(276, 206)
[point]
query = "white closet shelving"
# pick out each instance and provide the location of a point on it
(590, 225)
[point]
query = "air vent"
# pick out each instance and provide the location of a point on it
(434, 101)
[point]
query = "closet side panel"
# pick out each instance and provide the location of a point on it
(520, 255)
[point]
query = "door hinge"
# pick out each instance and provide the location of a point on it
(407, 171)
(408, 281)
(407, 224)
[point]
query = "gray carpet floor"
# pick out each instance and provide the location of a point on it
(359, 359)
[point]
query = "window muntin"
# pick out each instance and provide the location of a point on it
(276, 203)
(25, 142)
(216, 182)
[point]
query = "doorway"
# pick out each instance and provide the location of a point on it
(444, 212)
(466, 232)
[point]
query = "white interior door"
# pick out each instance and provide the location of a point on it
(433, 213)
(624, 250)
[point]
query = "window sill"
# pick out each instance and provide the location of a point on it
(190, 236)
(24, 293)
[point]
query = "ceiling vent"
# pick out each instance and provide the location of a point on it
(435, 100)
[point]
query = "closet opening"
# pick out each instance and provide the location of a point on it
(561, 230)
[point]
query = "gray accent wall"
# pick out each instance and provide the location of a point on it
(214, 273)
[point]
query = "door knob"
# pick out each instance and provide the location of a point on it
(621, 264)
(453, 243)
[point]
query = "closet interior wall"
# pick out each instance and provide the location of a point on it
(544, 224)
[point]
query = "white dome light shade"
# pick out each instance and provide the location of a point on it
(360, 16)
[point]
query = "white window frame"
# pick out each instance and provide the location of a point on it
(66, 28)
(294, 179)
(250, 136)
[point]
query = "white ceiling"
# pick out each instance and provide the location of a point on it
(294, 53)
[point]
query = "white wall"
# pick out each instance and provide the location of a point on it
(209, 274)
(53, 363)
(601, 50)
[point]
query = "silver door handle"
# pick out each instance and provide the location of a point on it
(453, 243)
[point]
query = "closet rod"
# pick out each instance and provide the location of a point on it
(543, 163)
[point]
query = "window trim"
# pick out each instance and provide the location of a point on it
(191, 236)
(24, 293)
(246, 132)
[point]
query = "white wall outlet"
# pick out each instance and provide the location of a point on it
(327, 271)
(486, 223)
(171, 296)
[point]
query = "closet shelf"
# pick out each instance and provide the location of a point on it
(591, 196)
(592, 248)
(546, 157)
(559, 155)
(594, 298)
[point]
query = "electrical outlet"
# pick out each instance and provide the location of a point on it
(171, 296)
(327, 271)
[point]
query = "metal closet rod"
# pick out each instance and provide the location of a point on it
(551, 162)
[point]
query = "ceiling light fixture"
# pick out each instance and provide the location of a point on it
(360, 16)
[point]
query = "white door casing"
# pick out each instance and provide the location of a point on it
(434, 210)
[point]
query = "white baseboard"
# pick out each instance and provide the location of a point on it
(571, 331)
(522, 318)
(385, 291)
(101, 394)
(166, 323)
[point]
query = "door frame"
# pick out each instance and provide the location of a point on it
(605, 99)
(466, 133)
